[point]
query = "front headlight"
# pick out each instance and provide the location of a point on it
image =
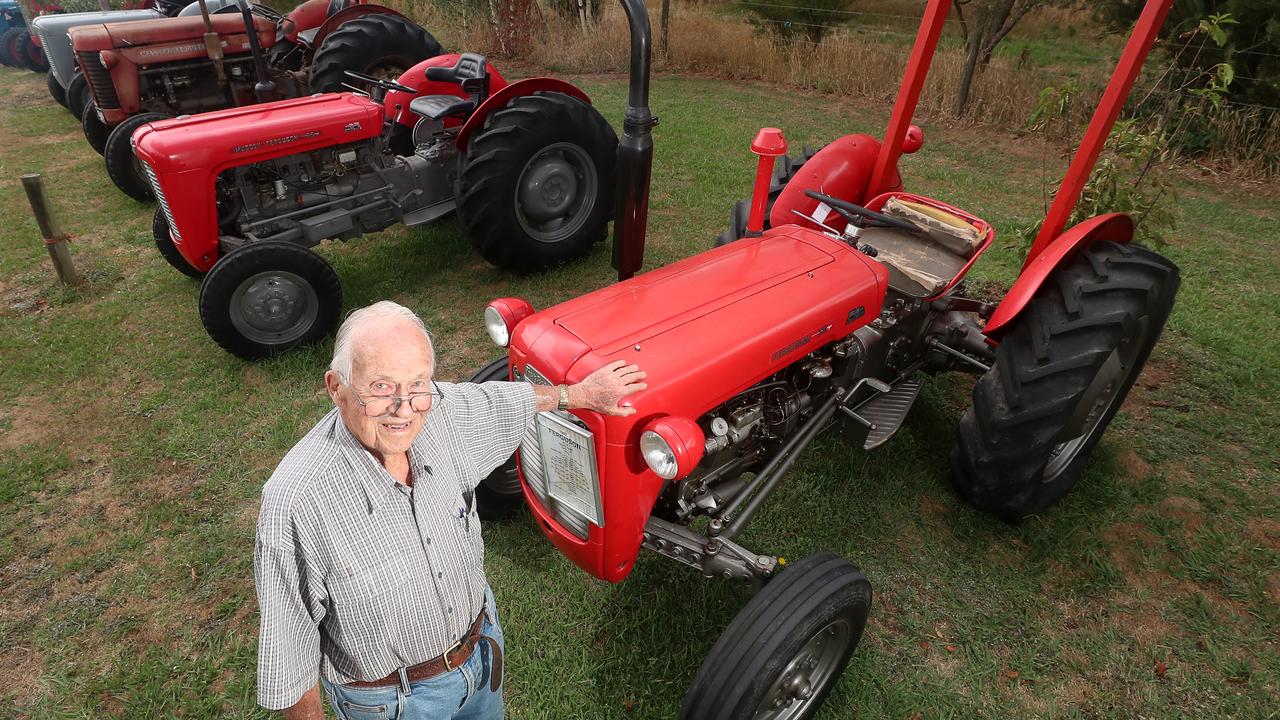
(672, 446)
(501, 317)
(496, 326)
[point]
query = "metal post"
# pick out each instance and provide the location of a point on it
(54, 239)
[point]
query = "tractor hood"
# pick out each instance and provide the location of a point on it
(216, 140)
(189, 30)
(53, 29)
(709, 326)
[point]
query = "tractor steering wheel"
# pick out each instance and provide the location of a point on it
(859, 216)
(386, 85)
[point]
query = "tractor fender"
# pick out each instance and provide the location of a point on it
(841, 169)
(1115, 227)
(346, 15)
(500, 99)
(416, 77)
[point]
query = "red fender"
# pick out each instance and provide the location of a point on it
(349, 14)
(1116, 227)
(416, 77)
(500, 99)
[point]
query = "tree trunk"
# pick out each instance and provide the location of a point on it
(974, 50)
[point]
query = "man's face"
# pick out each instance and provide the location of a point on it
(389, 357)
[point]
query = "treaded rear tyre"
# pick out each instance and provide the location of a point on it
(548, 148)
(268, 297)
(1061, 373)
(56, 91)
(379, 45)
(783, 170)
(816, 607)
(498, 495)
(78, 95)
(8, 46)
(29, 55)
(168, 251)
(95, 131)
(122, 165)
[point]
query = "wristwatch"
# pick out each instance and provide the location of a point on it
(564, 398)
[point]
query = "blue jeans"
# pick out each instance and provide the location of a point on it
(460, 694)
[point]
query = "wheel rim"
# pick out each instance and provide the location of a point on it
(387, 70)
(555, 192)
(274, 307)
(1103, 393)
(801, 684)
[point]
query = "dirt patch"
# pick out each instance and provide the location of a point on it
(1128, 541)
(1185, 511)
(1161, 371)
(29, 422)
(1146, 627)
(1273, 587)
(1265, 531)
(1136, 469)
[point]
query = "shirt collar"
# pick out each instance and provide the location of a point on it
(375, 481)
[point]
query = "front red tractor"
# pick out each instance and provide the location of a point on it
(245, 193)
(143, 71)
(833, 297)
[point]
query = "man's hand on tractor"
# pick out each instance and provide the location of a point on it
(600, 391)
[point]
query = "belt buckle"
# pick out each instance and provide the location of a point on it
(456, 646)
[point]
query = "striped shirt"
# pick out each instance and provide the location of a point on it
(358, 575)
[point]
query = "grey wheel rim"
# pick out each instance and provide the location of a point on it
(1099, 399)
(809, 671)
(555, 192)
(274, 307)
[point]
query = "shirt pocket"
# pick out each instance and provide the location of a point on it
(363, 595)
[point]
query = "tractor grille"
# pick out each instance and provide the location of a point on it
(51, 56)
(99, 79)
(531, 463)
(164, 204)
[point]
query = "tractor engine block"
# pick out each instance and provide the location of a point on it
(336, 192)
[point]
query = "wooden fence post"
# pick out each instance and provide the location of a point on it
(54, 239)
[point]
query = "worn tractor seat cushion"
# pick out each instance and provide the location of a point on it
(917, 265)
(948, 230)
(435, 107)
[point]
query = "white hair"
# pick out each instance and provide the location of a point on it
(342, 344)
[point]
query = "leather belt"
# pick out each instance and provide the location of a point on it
(449, 660)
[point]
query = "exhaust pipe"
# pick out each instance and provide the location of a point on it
(635, 151)
(265, 88)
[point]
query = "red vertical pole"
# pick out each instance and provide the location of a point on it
(1104, 118)
(935, 16)
(768, 145)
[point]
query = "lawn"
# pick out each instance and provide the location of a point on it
(133, 450)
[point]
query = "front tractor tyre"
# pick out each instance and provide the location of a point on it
(268, 297)
(9, 46)
(169, 251)
(1061, 373)
(56, 91)
(498, 495)
(536, 182)
(123, 167)
(78, 95)
(95, 131)
(383, 46)
(30, 55)
(785, 651)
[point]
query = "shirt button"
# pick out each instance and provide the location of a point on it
(450, 609)
(428, 541)
(440, 574)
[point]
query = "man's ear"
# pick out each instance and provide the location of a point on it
(332, 383)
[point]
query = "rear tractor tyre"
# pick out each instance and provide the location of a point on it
(285, 55)
(95, 131)
(1061, 373)
(380, 45)
(783, 170)
(30, 55)
(268, 297)
(56, 91)
(498, 495)
(9, 46)
(536, 182)
(78, 95)
(169, 251)
(123, 167)
(785, 651)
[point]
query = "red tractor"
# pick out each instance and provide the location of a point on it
(143, 71)
(245, 193)
(19, 47)
(835, 305)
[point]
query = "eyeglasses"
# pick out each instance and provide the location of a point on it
(380, 405)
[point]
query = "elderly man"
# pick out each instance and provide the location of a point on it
(369, 562)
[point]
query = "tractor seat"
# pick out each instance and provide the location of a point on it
(437, 107)
(922, 265)
(470, 66)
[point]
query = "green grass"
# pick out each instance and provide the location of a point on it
(132, 452)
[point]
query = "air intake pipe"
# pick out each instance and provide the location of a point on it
(635, 151)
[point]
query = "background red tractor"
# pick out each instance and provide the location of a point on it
(245, 193)
(19, 47)
(835, 308)
(143, 71)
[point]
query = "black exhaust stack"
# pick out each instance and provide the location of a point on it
(265, 88)
(635, 151)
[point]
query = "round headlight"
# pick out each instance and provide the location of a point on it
(658, 455)
(497, 326)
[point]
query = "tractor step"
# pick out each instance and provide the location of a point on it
(430, 213)
(886, 411)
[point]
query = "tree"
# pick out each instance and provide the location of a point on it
(987, 23)
(791, 20)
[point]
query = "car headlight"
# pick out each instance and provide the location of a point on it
(501, 317)
(672, 446)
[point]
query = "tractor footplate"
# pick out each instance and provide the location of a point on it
(886, 411)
